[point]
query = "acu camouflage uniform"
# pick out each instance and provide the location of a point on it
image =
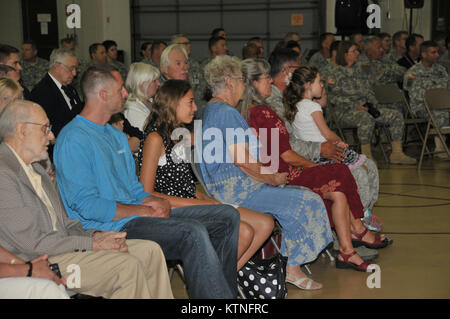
(347, 88)
(32, 73)
(378, 72)
(367, 181)
(426, 78)
(318, 60)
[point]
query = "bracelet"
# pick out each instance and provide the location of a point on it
(13, 261)
(30, 270)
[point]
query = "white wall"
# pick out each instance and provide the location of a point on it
(399, 17)
(100, 20)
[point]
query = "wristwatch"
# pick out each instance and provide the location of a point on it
(30, 270)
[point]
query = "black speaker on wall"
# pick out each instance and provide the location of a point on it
(350, 17)
(414, 4)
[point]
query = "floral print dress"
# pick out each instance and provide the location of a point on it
(301, 213)
(320, 179)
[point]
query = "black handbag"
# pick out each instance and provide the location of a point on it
(264, 278)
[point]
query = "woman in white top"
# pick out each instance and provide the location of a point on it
(301, 101)
(142, 83)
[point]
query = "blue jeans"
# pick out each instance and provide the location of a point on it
(204, 238)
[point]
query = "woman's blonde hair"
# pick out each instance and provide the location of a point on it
(140, 76)
(8, 85)
(219, 70)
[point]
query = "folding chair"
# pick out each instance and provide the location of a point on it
(435, 99)
(390, 94)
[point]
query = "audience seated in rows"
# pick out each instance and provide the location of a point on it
(164, 165)
(237, 178)
(97, 180)
(334, 182)
(426, 75)
(123, 205)
(34, 222)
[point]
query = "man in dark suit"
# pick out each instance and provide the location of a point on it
(55, 93)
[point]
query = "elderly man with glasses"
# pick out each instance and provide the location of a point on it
(55, 92)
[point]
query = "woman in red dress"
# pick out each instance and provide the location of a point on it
(333, 182)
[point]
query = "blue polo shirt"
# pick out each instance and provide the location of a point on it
(95, 170)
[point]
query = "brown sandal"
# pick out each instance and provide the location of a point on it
(377, 244)
(345, 264)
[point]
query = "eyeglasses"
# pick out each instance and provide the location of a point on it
(48, 127)
(70, 68)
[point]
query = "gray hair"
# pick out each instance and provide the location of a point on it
(140, 76)
(59, 56)
(175, 37)
(219, 70)
(369, 42)
(165, 61)
(17, 111)
(252, 69)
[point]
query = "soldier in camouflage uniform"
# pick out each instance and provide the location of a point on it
(367, 181)
(349, 91)
(378, 72)
(156, 50)
(111, 58)
(320, 58)
(399, 46)
(33, 67)
(427, 74)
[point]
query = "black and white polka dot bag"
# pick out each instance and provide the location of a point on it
(264, 278)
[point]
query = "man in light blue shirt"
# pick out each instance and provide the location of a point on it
(96, 176)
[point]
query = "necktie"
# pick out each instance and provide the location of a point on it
(71, 94)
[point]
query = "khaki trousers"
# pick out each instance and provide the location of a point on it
(140, 273)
